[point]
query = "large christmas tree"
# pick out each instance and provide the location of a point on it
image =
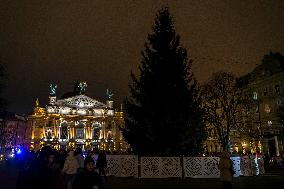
(163, 116)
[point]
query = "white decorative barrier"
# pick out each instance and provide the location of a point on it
(194, 167)
(260, 164)
(160, 167)
(236, 166)
(201, 167)
(252, 165)
(122, 165)
(246, 166)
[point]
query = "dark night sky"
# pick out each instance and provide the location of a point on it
(61, 41)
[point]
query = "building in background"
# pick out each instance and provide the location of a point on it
(262, 131)
(15, 133)
(76, 120)
(265, 84)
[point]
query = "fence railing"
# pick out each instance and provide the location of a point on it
(165, 167)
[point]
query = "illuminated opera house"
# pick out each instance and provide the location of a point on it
(76, 120)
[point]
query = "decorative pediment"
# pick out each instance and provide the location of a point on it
(81, 102)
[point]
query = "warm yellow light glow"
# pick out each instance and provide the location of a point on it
(33, 134)
(236, 148)
(260, 146)
(88, 133)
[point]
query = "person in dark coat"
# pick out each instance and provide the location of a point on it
(41, 173)
(226, 170)
(89, 178)
(102, 163)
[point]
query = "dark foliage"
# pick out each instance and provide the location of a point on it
(163, 115)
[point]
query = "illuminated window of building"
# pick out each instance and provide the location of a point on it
(267, 108)
(48, 133)
(96, 130)
(236, 148)
(109, 135)
(80, 131)
(96, 133)
(269, 123)
(277, 89)
(256, 109)
(265, 92)
(255, 95)
(64, 131)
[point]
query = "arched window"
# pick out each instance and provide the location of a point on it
(80, 131)
(254, 96)
(64, 131)
(48, 133)
(96, 134)
(277, 89)
(96, 131)
(109, 135)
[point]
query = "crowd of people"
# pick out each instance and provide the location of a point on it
(52, 169)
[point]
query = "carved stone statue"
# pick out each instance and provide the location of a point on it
(83, 87)
(52, 89)
(109, 95)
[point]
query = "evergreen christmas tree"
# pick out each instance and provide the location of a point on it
(163, 116)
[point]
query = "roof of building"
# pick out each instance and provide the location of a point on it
(272, 64)
(80, 101)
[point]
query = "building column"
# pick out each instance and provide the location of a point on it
(32, 146)
(56, 134)
(89, 128)
(72, 131)
(71, 143)
(55, 128)
(57, 122)
(276, 146)
(88, 135)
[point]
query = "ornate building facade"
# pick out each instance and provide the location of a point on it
(76, 120)
(266, 86)
(263, 129)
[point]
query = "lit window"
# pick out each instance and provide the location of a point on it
(64, 131)
(255, 95)
(277, 89)
(265, 92)
(48, 133)
(257, 109)
(267, 108)
(79, 133)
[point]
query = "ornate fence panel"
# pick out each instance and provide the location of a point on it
(164, 167)
(252, 165)
(236, 166)
(245, 166)
(170, 167)
(122, 165)
(129, 166)
(113, 165)
(150, 167)
(201, 167)
(260, 164)
(160, 167)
